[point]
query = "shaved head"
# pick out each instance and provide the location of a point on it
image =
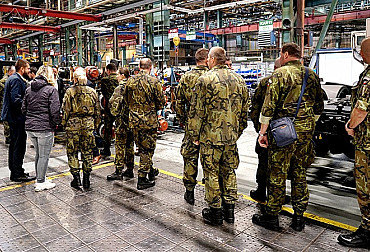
(365, 50)
(219, 54)
(145, 64)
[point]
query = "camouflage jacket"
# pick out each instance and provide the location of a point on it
(185, 90)
(283, 90)
(118, 107)
(144, 96)
(257, 102)
(219, 107)
(2, 87)
(81, 108)
(361, 99)
(107, 85)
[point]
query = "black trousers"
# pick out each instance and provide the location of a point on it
(17, 149)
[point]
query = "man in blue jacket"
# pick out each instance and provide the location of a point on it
(14, 91)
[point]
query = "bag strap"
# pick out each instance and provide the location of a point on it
(302, 91)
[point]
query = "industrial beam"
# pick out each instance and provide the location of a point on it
(6, 41)
(24, 10)
(311, 20)
(18, 26)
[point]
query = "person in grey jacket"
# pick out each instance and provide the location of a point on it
(41, 107)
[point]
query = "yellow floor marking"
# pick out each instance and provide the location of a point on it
(287, 209)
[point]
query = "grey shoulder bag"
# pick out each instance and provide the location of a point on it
(282, 129)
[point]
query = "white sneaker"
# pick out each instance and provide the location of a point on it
(44, 186)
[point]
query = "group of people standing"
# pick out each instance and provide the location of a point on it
(212, 104)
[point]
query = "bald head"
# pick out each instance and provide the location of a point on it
(145, 64)
(277, 63)
(365, 50)
(216, 56)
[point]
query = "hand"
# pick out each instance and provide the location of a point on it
(262, 140)
(350, 132)
(196, 142)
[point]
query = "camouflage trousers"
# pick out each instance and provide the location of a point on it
(296, 157)
(219, 163)
(262, 168)
(190, 154)
(145, 140)
(362, 177)
(125, 153)
(80, 141)
(6, 129)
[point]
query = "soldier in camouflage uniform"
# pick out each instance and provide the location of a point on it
(189, 151)
(107, 85)
(283, 91)
(217, 117)
(81, 116)
(262, 170)
(11, 70)
(144, 96)
(124, 137)
(358, 126)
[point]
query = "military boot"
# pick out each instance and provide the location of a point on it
(358, 239)
(153, 173)
(298, 223)
(86, 180)
(117, 175)
(212, 216)
(259, 194)
(76, 182)
(267, 221)
(144, 183)
(228, 211)
(129, 173)
(189, 197)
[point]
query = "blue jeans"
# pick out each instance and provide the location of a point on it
(43, 142)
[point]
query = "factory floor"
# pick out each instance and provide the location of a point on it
(115, 216)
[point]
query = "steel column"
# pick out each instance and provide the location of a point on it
(79, 45)
(92, 46)
(219, 25)
(326, 25)
(30, 48)
(68, 45)
(6, 52)
(115, 42)
(41, 47)
(300, 25)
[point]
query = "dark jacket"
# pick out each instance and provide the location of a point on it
(15, 88)
(41, 106)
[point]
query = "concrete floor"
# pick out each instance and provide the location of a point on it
(114, 216)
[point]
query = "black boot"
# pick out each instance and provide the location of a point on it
(117, 175)
(212, 216)
(298, 223)
(153, 173)
(76, 182)
(189, 197)
(358, 239)
(144, 183)
(228, 210)
(267, 221)
(259, 194)
(86, 180)
(129, 173)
